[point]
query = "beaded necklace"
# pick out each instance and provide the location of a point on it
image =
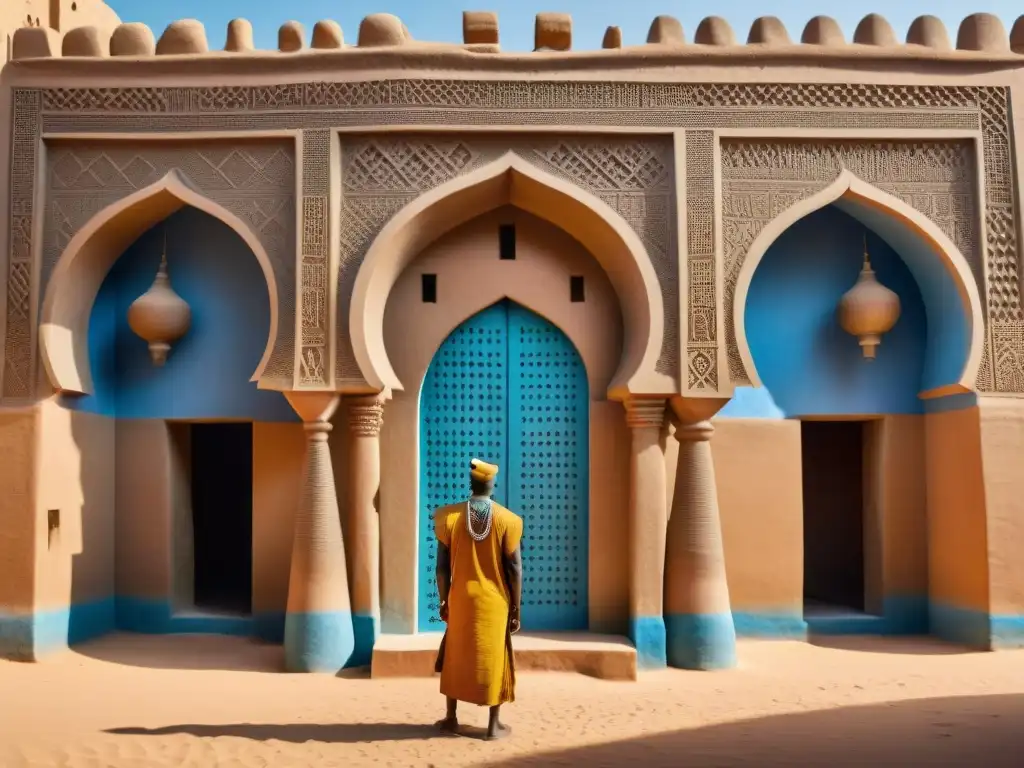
(479, 514)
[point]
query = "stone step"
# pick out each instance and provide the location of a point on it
(607, 657)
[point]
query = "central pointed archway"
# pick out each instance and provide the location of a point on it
(510, 387)
(512, 180)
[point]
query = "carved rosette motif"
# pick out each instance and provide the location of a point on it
(631, 174)
(318, 105)
(761, 179)
(253, 180)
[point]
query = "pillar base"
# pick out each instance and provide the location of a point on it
(701, 641)
(648, 636)
(321, 642)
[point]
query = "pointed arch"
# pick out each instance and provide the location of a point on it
(585, 344)
(85, 262)
(512, 180)
(936, 263)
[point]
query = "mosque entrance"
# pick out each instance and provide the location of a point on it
(509, 387)
(221, 471)
(833, 490)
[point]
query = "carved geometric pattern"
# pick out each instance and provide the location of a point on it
(395, 166)
(702, 330)
(511, 95)
(513, 103)
(19, 368)
(632, 175)
(253, 180)
(314, 305)
(762, 178)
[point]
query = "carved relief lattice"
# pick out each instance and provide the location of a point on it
(316, 159)
(448, 103)
(702, 328)
(761, 179)
(18, 347)
(253, 180)
(632, 175)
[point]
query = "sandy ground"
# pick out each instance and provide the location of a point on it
(132, 701)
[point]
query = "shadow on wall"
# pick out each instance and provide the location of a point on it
(808, 364)
(208, 370)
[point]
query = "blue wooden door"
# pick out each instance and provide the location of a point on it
(508, 386)
(548, 467)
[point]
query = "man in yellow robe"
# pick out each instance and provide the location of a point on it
(479, 581)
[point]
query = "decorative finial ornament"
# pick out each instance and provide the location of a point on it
(868, 309)
(160, 316)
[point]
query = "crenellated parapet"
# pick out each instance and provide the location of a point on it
(979, 35)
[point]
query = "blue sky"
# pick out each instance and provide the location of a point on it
(441, 20)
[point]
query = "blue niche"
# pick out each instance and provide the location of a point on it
(807, 362)
(208, 370)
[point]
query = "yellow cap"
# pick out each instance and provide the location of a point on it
(482, 471)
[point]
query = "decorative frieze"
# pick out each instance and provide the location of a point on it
(632, 174)
(314, 311)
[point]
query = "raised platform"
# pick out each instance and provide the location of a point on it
(607, 657)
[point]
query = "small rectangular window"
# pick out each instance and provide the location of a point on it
(507, 242)
(577, 292)
(429, 287)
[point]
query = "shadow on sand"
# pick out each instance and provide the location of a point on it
(909, 645)
(185, 652)
(962, 731)
(298, 733)
(194, 652)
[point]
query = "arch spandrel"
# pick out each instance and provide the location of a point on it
(512, 180)
(546, 259)
(78, 273)
(897, 223)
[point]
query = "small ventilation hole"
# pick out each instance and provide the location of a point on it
(577, 290)
(507, 242)
(429, 288)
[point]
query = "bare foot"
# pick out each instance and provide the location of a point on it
(448, 725)
(500, 731)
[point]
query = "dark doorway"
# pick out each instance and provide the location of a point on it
(222, 516)
(833, 486)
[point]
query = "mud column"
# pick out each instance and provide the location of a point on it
(648, 515)
(318, 634)
(365, 418)
(698, 618)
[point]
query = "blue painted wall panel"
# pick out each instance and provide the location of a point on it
(208, 370)
(807, 362)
